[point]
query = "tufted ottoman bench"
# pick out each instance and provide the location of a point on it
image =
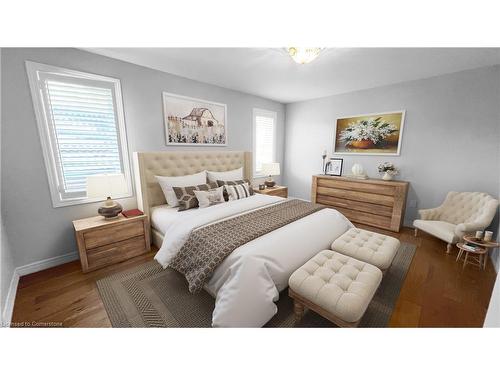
(336, 286)
(370, 247)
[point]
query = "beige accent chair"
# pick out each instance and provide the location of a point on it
(460, 213)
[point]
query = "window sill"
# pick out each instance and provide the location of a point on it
(80, 201)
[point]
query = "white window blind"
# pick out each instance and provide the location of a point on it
(264, 139)
(81, 127)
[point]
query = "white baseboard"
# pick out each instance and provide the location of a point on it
(9, 301)
(26, 270)
(46, 263)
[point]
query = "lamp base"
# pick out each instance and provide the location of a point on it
(270, 183)
(110, 210)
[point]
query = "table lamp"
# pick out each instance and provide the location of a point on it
(107, 185)
(271, 169)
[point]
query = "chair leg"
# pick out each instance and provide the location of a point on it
(448, 248)
(298, 310)
(416, 232)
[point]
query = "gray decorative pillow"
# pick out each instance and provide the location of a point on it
(187, 198)
(236, 182)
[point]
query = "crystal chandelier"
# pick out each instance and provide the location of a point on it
(303, 55)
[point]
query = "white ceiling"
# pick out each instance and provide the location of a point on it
(271, 73)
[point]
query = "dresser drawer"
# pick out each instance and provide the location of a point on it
(357, 186)
(377, 221)
(359, 196)
(116, 252)
(370, 208)
(112, 234)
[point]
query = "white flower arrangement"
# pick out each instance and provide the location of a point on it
(388, 168)
(373, 129)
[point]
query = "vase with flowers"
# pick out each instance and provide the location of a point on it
(388, 170)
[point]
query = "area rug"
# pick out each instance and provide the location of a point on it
(149, 296)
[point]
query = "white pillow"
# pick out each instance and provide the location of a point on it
(235, 174)
(167, 183)
(209, 197)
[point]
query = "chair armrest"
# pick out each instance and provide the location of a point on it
(464, 228)
(429, 213)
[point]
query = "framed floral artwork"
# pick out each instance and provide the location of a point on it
(194, 122)
(370, 134)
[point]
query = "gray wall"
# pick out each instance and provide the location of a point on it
(6, 262)
(38, 231)
(450, 139)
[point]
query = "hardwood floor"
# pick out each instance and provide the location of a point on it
(437, 292)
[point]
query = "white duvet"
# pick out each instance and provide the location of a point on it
(247, 283)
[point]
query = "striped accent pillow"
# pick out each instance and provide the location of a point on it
(235, 182)
(239, 191)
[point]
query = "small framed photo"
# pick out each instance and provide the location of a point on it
(335, 167)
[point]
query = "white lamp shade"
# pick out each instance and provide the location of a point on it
(271, 169)
(106, 185)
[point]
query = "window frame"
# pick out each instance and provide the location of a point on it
(264, 113)
(35, 72)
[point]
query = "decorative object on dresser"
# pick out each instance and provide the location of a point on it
(460, 213)
(334, 167)
(101, 242)
(107, 185)
(475, 248)
(388, 170)
(278, 191)
(372, 202)
(371, 134)
(194, 122)
(358, 172)
(323, 156)
(270, 169)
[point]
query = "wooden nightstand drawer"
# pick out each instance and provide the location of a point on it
(104, 242)
(105, 236)
(278, 191)
(116, 252)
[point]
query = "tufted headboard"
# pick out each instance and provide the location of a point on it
(180, 163)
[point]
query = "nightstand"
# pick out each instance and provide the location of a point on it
(104, 242)
(278, 191)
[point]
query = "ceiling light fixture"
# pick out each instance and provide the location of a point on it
(303, 55)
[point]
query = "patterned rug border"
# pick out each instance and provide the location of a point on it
(138, 298)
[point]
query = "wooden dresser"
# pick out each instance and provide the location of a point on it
(104, 242)
(377, 203)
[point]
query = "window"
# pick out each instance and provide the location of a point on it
(82, 129)
(264, 139)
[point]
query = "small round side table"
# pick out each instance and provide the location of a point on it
(482, 249)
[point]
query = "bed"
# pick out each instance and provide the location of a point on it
(246, 284)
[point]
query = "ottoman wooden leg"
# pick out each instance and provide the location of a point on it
(298, 310)
(448, 248)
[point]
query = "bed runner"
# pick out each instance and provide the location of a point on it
(208, 246)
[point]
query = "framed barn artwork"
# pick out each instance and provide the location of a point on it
(194, 122)
(370, 134)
